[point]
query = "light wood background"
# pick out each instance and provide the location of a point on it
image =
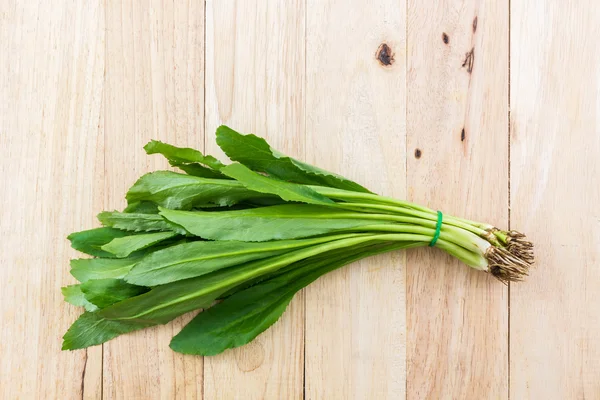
(485, 109)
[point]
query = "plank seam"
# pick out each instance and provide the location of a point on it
(305, 147)
(83, 374)
(104, 188)
(406, 194)
(509, 197)
(204, 150)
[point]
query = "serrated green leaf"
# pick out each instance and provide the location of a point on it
(124, 246)
(138, 222)
(84, 269)
(199, 258)
(183, 155)
(91, 329)
(73, 295)
(285, 190)
(105, 292)
(255, 153)
(179, 191)
(208, 334)
(287, 221)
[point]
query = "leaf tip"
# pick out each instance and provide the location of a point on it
(224, 129)
(150, 147)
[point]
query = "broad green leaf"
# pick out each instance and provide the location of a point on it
(73, 295)
(199, 258)
(183, 155)
(91, 329)
(84, 269)
(179, 191)
(260, 183)
(165, 302)
(287, 221)
(138, 222)
(238, 319)
(105, 292)
(205, 334)
(92, 240)
(126, 245)
(255, 153)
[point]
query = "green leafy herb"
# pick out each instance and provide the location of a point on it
(250, 234)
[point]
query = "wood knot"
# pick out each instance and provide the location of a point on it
(384, 55)
(249, 357)
(474, 24)
(445, 38)
(418, 153)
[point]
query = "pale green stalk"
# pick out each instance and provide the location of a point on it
(374, 199)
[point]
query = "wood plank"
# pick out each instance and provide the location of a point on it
(154, 78)
(355, 317)
(457, 107)
(555, 170)
(255, 83)
(51, 78)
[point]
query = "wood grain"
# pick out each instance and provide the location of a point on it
(255, 84)
(51, 79)
(457, 144)
(153, 90)
(355, 317)
(555, 196)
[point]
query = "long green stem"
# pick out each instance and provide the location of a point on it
(451, 234)
(374, 199)
(420, 216)
(347, 195)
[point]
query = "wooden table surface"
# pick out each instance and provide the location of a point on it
(485, 109)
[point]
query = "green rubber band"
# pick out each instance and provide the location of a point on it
(438, 229)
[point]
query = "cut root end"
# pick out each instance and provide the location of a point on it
(519, 247)
(510, 265)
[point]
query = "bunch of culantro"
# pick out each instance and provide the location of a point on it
(239, 240)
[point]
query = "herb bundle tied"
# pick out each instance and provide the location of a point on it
(238, 241)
